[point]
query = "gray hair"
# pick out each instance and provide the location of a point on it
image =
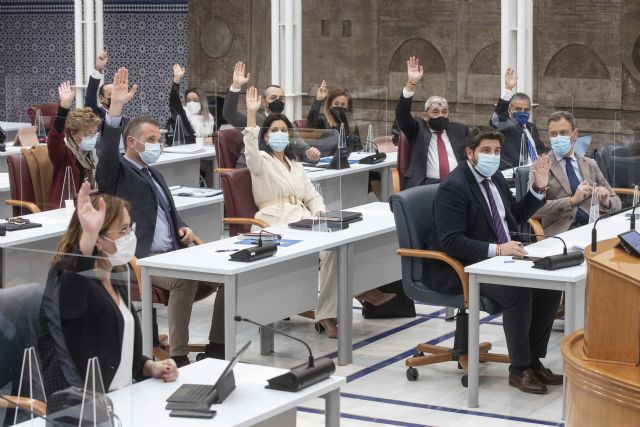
(133, 128)
(559, 115)
(435, 100)
(520, 96)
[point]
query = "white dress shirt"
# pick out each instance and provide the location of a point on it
(122, 377)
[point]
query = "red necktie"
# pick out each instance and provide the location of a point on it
(443, 158)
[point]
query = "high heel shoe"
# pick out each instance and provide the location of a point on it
(329, 326)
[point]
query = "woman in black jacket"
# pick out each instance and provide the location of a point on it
(85, 310)
(330, 110)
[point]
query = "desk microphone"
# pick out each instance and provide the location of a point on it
(377, 157)
(594, 232)
(632, 225)
(302, 376)
(554, 262)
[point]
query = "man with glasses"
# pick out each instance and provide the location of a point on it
(437, 145)
(159, 228)
(522, 144)
(572, 180)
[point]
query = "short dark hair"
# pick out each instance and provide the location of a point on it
(556, 116)
(264, 92)
(478, 134)
(520, 96)
(264, 146)
(101, 89)
(133, 128)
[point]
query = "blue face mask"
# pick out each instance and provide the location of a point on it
(487, 164)
(151, 152)
(521, 117)
(561, 144)
(88, 143)
(278, 141)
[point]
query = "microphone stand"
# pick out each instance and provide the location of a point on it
(555, 262)
(301, 376)
(594, 232)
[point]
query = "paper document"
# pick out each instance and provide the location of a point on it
(185, 149)
(179, 190)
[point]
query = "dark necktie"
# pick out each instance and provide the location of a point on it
(443, 158)
(165, 206)
(533, 156)
(574, 182)
(497, 221)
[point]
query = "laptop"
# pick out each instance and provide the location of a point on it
(200, 397)
(26, 137)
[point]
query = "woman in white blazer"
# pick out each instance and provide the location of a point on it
(284, 194)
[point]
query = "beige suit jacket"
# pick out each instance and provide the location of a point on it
(557, 214)
(282, 195)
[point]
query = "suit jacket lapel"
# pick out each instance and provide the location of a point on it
(475, 189)
(560, 173)
(584, 170)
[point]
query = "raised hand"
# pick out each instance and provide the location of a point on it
(66, 94)
(541, 171)
(91, 219)
(510, 79)
(253, 100)
(178, 73)
(322, 92)
(239, 77)
(101, 60)
(120, 94)
(414, 69)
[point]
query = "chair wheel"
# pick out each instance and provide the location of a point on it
(412, 374)
(465, 381)
(418, 354)
(200, 356)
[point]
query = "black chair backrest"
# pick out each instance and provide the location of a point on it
(521, 176)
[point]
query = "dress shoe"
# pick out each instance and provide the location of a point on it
(181, 361)
(527, 382)
(329, 326)
(214, 351)
(545, 376)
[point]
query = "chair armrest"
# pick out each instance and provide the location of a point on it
(39, 407)
(246, 221)
(441, 256)
(197, 240)
(536, 225)
(395, 180)
(224, 170)
(32, 207)
(629, 191)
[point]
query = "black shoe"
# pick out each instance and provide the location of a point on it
(527, 382)
(214, 351)
(181, 361)
(545, 376)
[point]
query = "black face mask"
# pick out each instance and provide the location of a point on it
(276, 106)
(340, 114)
(438, 124)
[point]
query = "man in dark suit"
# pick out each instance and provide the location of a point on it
(159, 228)
(437, 145)
(273, 101)
(473, 213)
(522, 143)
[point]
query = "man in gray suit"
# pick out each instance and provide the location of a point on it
(572, 179)
(273, 100)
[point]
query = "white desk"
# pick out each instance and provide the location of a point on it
(12, 128)
(4, 168)
(184, 169)
(351, 185)
(26, 254)
(286, 283)
(250, 404)
(520, 273)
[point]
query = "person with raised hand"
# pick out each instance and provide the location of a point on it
(272, 102)
(437, 144)
(274, 173)
(511, 117)
(86, 301)
(71, 142)
(198, 122)
(159, 227)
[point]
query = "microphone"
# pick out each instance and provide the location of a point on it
(302, 376)
(594, 232)
(632, 225)
(554, 262)
(277, 236)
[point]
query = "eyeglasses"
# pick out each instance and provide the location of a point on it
(124, 231)
(91, 134)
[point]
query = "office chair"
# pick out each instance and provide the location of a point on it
(404, 159)
(229, 144)
(161, 296)
(238, 201)
(301, 124)
(49, 112)
(30, 177)
(19, 330)
(412, 209)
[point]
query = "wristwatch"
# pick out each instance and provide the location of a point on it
(539, 190)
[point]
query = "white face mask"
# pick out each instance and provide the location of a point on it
(194, 107)
(88, 143)
(125, 249)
